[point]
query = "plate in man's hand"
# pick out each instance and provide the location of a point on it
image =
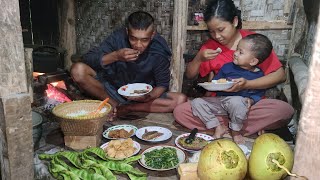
(135, 89)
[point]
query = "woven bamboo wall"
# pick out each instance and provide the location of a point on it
(98, 18)
(262, 10)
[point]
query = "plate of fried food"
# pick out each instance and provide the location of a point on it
(217, 85)
(121, 148)
(200, 140)
(153, 133)
(135, 90)
(120, 131)
(162, 158)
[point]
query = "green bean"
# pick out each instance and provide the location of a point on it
(132, 159)
(90, 164)
(85, 175)
(134, 177)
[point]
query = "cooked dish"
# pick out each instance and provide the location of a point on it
(162, 158)
(120, 148)
(222, 80)
(120, 133)
(197, 144)
(141, 91)
(148, 135)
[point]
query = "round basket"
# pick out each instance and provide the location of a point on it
(82, 124)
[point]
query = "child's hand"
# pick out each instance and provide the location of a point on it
(239, 85)
(249, 102)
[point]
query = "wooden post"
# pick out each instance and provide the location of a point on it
(179, 36)
(16, 147)
(307, 159)
(67, 23)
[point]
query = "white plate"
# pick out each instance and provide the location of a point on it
(215, 86)
(166, 133)
(136, 145)
(126, 127)
(181, 156)
(203, 136)
(127, 90)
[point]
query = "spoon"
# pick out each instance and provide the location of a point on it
(99, 107)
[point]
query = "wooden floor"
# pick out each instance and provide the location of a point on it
(53, 138)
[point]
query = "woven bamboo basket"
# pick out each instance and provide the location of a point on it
(83, 124)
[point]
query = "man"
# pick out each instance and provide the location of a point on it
(135, 54)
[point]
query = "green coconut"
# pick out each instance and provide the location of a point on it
(222, 159)
(266, 149)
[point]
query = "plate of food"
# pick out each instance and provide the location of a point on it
(121, 148)
(120, 131)
(162, 158)
(135, 89)
(217, 85)
(200, 140)
(153, 133)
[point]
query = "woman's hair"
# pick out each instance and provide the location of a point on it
(261, 46)
(140, 20)
(222, 9)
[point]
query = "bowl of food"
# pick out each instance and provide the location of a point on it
(120, 131)
(153, 134)
(162, 158)
(200, 140)
(121, 149)
(217, 85)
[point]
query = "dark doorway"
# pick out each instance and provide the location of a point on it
(39, 21)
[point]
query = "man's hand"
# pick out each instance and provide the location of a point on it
(239, 85)
(209, 54)
(144, 98)
(127, 54)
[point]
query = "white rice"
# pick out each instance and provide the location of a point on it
(83, 112)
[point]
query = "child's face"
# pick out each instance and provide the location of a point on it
(243, 56)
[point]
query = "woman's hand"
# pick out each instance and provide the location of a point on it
(192, 69)
(209, 54)
(240, 84)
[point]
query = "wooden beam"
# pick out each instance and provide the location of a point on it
(306, 155)
(67, 21)
(16, 148)
(179, 36)
(253, 25)
(300, 72)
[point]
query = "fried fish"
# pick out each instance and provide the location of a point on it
(148, 135)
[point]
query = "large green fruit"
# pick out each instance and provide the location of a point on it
(222, 159)
(265, 148)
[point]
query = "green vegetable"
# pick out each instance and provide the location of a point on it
(162, 158)
(90, 164)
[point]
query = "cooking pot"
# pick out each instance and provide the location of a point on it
(47, 59)
(36, 128)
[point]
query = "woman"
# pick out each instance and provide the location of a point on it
(224, 23)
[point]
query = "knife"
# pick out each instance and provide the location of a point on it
(191, 137)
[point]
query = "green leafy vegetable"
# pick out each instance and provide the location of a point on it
(90, 164)
(162, 158)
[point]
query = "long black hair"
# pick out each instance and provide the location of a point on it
(222, 9)
(140, 20)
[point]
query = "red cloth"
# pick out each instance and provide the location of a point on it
(271, 64)
(267, 114)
